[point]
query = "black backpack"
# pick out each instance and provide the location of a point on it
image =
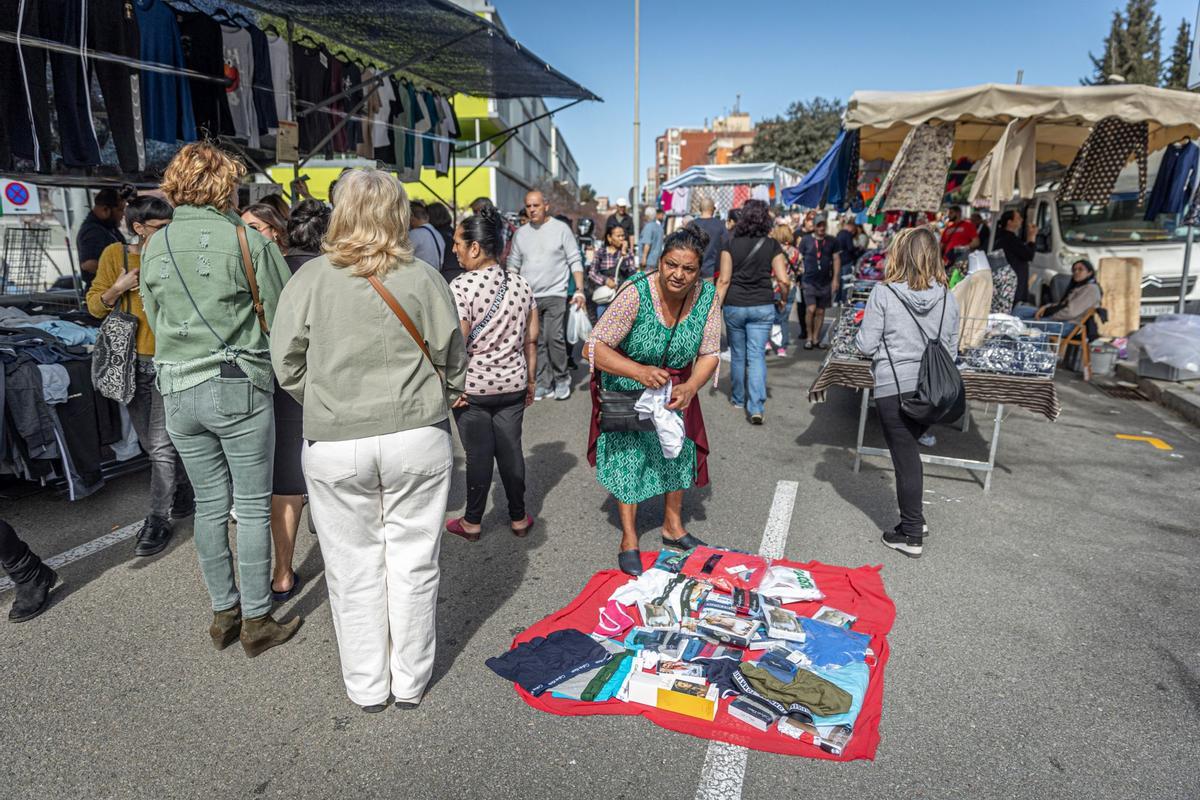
(940, 393)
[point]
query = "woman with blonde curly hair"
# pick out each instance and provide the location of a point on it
(910, 308)
(367, 339)
(210, 311)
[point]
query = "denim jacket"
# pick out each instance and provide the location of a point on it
(206, 252)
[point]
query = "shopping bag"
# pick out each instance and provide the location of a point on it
(777, 336)
(579, 327)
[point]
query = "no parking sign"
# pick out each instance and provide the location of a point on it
(19, 198)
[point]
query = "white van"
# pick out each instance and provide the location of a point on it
(1068, 231)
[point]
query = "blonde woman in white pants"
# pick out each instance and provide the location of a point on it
(367, 339)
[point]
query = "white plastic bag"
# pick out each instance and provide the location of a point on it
(777, 336)
(1172, 339)
(579, 327)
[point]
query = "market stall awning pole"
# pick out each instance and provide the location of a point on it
(464, 148)
(1187, 263)
(291, 38)
(485, 159)
(637, 125)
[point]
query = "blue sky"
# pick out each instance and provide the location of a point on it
(697, 56)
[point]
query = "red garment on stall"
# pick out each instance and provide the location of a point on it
(741, 193)
(857, 591)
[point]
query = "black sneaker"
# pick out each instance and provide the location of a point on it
(153, 538)
(908, 545)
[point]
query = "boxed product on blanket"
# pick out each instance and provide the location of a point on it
(683, 694)
(727, 628)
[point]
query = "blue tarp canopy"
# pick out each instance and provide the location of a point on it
(826, 183)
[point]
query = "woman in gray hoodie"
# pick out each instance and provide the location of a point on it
(911, 307)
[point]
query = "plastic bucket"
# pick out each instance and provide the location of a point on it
(1104, 359)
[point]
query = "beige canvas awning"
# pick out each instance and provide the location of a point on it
(1064, 115)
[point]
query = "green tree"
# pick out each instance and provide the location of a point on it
(587, 194)
(1133, 47)
(1175, 71)
(800, 137)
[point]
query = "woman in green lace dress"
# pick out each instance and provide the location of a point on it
(663, 327)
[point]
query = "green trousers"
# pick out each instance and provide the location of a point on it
(224, 430)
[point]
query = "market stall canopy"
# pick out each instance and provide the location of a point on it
(433, 39)
(719, 174)
(1063, 113)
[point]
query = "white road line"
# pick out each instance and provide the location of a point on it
(86, 549)
(725, 764)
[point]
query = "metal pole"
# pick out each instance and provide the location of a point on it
(291, 37)
(454, 172)
(1187, 262)
(637, 125)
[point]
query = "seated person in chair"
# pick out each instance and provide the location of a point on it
(1082, 295)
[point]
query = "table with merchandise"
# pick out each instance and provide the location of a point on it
(1010, 362)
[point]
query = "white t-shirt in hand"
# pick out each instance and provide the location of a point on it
(496, 357)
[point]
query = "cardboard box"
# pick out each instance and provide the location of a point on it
(681, 694)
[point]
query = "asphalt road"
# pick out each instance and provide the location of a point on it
(1045, 646)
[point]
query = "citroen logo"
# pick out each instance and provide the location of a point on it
(1155, 281)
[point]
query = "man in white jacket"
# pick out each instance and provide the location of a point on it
(545, 254)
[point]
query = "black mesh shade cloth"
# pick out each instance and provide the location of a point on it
(432, 39)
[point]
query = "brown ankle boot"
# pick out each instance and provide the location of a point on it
(262, 633)
(226, 627)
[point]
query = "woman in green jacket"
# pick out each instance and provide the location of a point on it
(214, 372)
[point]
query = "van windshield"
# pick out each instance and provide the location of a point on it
(1122, 221)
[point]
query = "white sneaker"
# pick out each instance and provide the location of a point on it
(928, 440)
(562, 389)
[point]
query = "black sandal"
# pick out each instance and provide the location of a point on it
(630, 562)
(685, 542)
(283, 597)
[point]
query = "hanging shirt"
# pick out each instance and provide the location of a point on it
(1105, 152)
(311, 68)
(381, 121)
(202, 52)
(1175, 182)
(239, 69)
(1008, 166)
(166, 99)
(917, 178)
(263, 82)
(281, 64)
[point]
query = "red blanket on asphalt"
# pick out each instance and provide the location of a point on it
(857, 591)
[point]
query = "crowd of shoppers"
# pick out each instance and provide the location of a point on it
(302, 354)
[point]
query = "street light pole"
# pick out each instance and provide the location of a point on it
(637, 125)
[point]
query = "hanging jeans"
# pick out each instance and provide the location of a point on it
(749, 329)
(901, 434)
(490, 430)
(378, 504)
(149, 419)
(224, 430)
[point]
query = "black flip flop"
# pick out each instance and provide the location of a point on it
(283, 597)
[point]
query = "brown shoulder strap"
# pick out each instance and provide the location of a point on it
(401, 314)
(248, 265)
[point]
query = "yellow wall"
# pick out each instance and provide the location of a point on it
(319, 179)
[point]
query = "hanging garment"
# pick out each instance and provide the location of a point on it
(1010, 165)
(843, 189)
(281, 76)
(448, 127)
(917, 178)
(370, 113)
(238, 48)
(262, 85)
(430, 123)
(311, 68)
(24, 96)
(762, 192)
(1176, 180)
(352, 77)
(666, 201)
(385, 134)
(337, 108)
(65, 21)
(680, 198)
(200, 37)
(410, 155)
(113, 28)
(166, 99)
(974, 296)
(1105, 152)
(741, 193)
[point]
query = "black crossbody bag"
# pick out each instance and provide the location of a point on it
(617, 412)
